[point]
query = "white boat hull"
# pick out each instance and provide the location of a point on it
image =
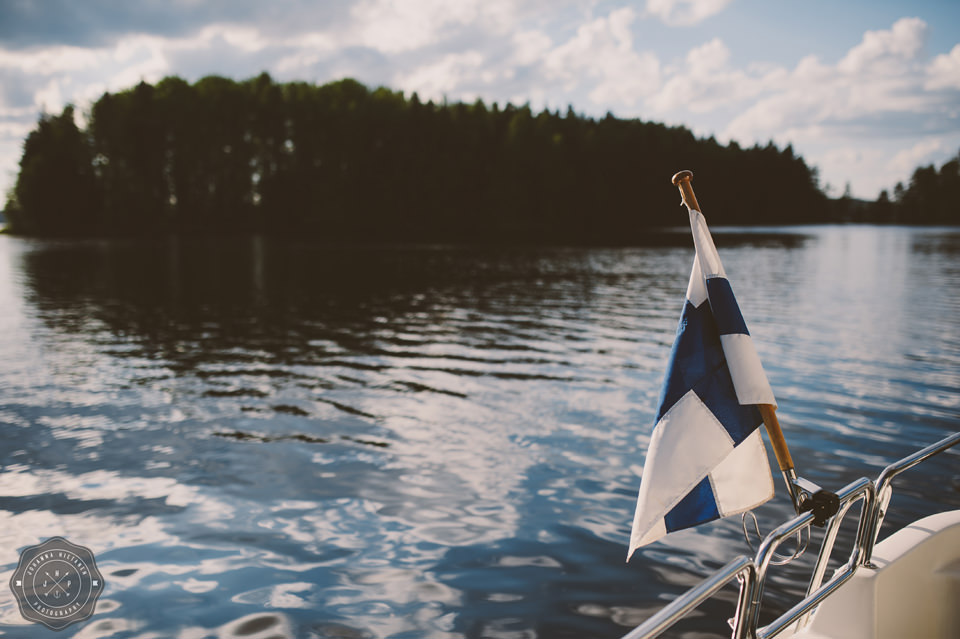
(910, 590)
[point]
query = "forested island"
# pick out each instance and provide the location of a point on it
(343, 162)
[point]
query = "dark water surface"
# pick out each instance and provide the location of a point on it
(265, 438)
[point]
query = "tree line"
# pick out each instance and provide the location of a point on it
(343, 162)
(930, 197)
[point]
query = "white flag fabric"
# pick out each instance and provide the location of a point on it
(706, 458)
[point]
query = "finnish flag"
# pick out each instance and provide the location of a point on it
(706, 457)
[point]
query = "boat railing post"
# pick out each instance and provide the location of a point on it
(868, 491)
(764, 557)
(823, 558)
(740, 623)
(884, 491)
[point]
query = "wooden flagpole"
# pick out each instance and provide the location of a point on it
(769, 413)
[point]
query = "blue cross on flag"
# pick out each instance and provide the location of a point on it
(706, 457)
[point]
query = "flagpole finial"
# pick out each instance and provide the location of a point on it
(682, 181)
(682, 176)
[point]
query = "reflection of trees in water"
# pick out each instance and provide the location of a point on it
(256, 289)
(214, 294)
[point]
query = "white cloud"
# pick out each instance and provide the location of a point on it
(134, 59)
(49, 61)
(842, 162)
(944, 71)
(396, 26)
(444, 76)
(685, 12)
(908, 159)
(602, 51)
(881, 50)
(305, 51)
(877, 83)
(50, 97)
(58, 75)
(243, 38)
(706, 82)
(708, 57)
(16, 129)
(529, 47)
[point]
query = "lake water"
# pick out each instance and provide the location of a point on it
(277, 438)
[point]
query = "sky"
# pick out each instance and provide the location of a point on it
(864, 90)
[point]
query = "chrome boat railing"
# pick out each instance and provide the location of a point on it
(752, 572)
